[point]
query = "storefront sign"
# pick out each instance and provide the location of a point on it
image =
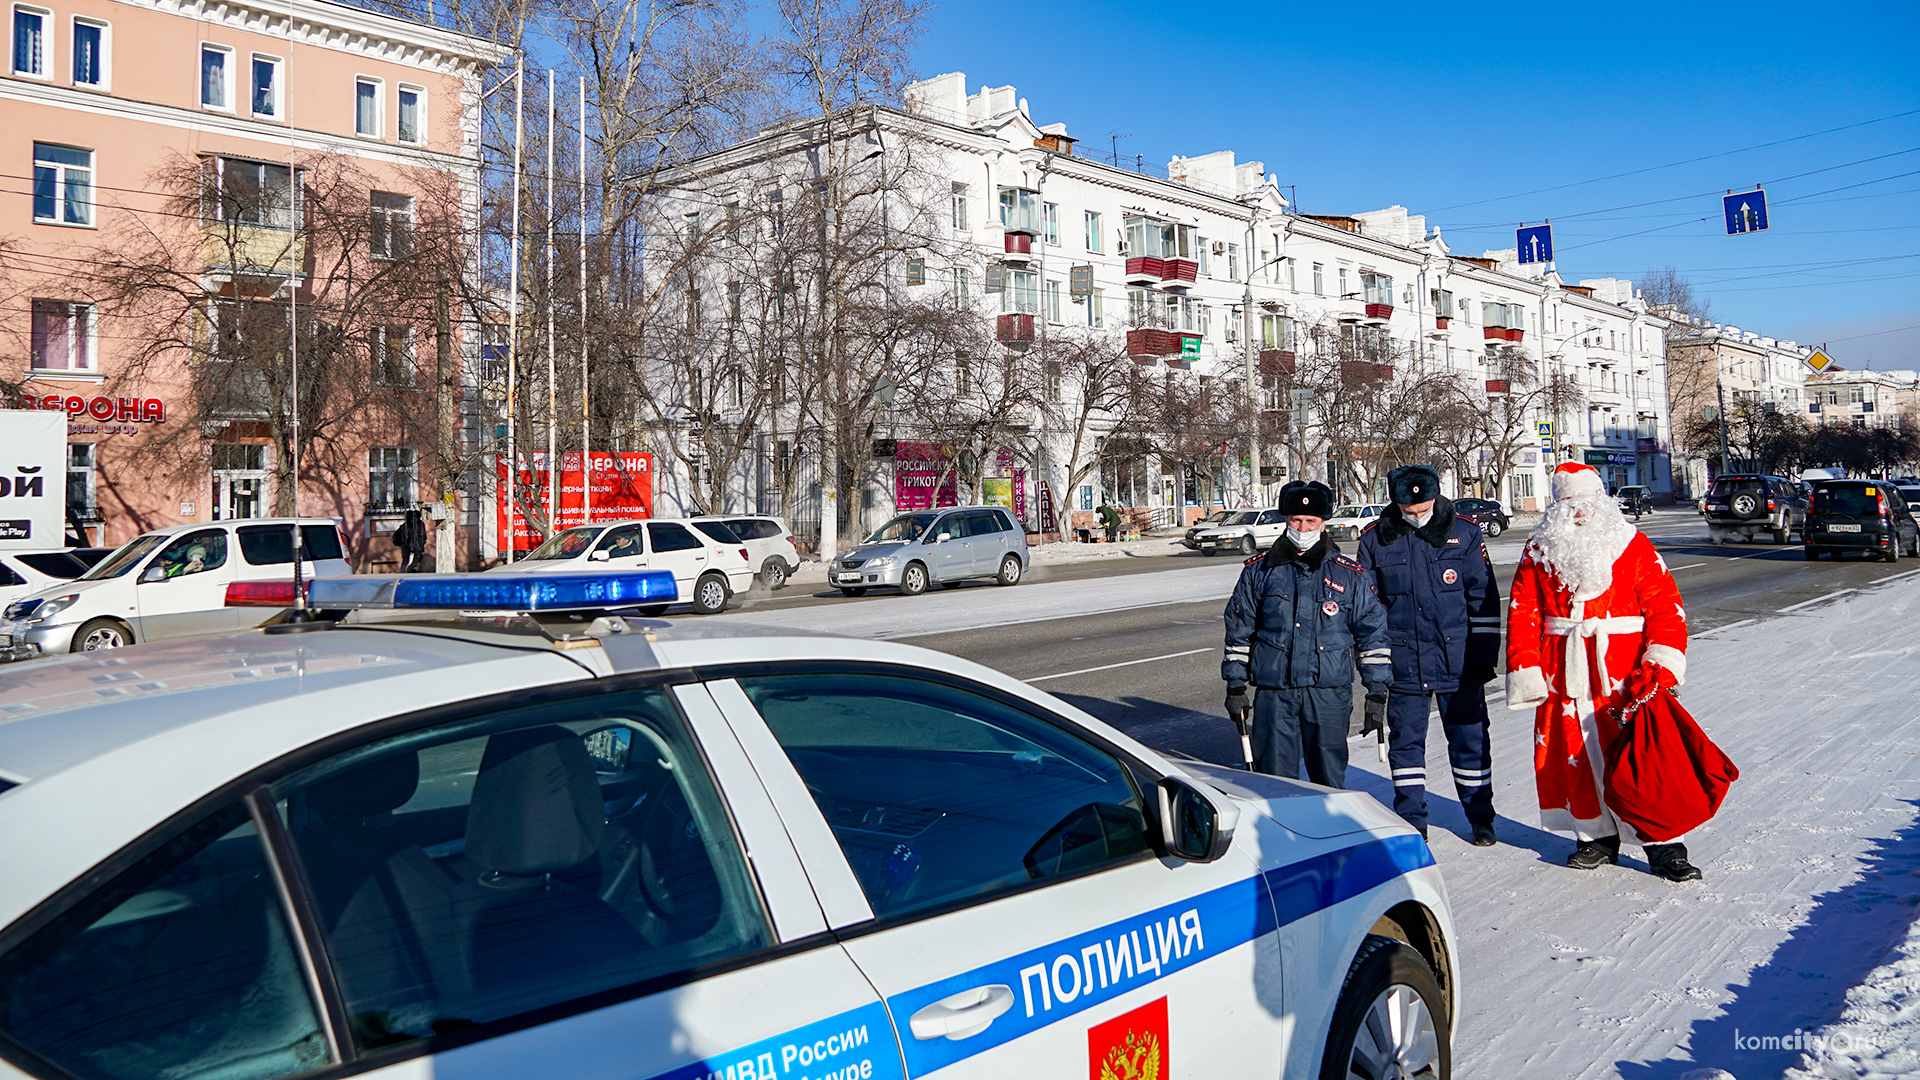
(1608, 457)
(620, 484)
(1048, 523)
(923, 477)
(151, 410)
(33, 481)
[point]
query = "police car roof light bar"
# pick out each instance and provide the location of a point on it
(495, 592)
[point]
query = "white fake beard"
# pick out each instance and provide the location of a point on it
(1581, 552)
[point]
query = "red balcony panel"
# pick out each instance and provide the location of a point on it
(1145, 269)
(1514, 333)
(1440, 322)
(1276, 362)
(1379, 311)
(1019, 243)
(1179, 270)
(1015, 329)
(1362, 371)
(1497, 386)
(1495, 333)
(1151, 342)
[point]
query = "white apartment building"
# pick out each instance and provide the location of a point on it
(1713, 366)
(1208, 271)
(1864, 399)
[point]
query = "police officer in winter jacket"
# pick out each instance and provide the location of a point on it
(1301, 618)
(1443, 618)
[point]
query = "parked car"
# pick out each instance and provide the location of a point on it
(1247, 531)
(1911, 493)
(769, 542)
(945, 546)
(1745, 506)
(708, 565)
(23, 573)
(1489, 515)
(169, 583)
(1347, 521)
(1635, 500)
(1867, 516)
(1191, 542)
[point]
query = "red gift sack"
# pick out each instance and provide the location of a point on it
(1664, 776)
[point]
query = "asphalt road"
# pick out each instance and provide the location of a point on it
(1154, 671)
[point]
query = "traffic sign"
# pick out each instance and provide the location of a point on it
(1535, 243)
(1746, 211)
(1544, 428)
(1819, 361)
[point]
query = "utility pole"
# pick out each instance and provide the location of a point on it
(1720, 390)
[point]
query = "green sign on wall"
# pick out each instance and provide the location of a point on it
(1190, 346)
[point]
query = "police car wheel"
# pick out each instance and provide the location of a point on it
(1391, 1020)
(1009, 571)
(854, 592)
(913, 580)
(102, 634)
(710, 595)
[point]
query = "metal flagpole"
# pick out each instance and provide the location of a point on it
(553, 461)
(513, 305)
(586, 410)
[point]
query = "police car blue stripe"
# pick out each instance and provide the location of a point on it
(1057, 981)
(855, 1044)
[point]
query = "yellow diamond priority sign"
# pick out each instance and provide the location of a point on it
(1819, 361)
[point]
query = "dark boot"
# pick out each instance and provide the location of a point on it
(1670, 861)
(1483, 835)
(1591, 854)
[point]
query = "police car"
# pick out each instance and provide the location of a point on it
(479, 827)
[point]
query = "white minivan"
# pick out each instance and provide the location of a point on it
(168, 583)
(709, 564)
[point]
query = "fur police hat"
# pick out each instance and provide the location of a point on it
(1411, 484)
(1306, 497)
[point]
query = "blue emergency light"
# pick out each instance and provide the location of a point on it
(495, 592)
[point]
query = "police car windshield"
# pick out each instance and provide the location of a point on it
(566, 545)
(904, 527)
(126, 558)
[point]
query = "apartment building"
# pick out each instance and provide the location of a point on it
(1711, 366)
(1864, 399)
(289, 113)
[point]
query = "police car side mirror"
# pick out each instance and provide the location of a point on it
(153, 573)
(1194, 826)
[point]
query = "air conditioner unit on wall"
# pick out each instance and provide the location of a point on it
(1219, 247)
(1121, 248)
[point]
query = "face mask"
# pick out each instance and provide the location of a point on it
(1420, 522)
(1301, 540)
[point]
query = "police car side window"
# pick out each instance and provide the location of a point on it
(182, 965)
(518, 860)
(939, 795)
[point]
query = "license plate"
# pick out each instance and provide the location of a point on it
(1843, 528)
(854, 578)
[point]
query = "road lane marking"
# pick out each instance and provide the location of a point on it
(1817, 600)
(907, 634)
(1696, 565)
(1729, 626)
(1123, 663)
(1757, 554)
(1895, 577)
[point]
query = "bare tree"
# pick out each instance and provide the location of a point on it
(1516, 397)
(1666, 288)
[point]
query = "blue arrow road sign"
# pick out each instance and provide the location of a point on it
(1746, 211)
(1535, 243)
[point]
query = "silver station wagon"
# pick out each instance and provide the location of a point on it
(946, 546)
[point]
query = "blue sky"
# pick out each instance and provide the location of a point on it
(1455, 110)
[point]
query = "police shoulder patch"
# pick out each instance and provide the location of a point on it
(1254, 559)
(1342, 560)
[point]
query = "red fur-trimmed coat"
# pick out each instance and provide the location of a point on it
(1571, 716)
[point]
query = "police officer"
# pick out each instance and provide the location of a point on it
(1298, 617)
(1443, 618)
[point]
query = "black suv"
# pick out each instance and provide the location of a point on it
(1742, 506)
(1489, 515)
(1635, 500)
(1868, 516)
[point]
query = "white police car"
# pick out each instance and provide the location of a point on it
(418, 843)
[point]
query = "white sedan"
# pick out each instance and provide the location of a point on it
(1348, 522)
(552, 842)
(1244, 531)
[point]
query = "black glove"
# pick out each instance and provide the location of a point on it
(1374, 713)
(1239, 706)
(1479, 674)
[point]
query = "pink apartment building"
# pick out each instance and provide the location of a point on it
(100, 102)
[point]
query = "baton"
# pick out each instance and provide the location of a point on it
(1246, 743)
(1381, 736)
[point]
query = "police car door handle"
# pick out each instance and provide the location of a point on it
(965, 1013)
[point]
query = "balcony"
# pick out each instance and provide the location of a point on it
(1363, 372)
(1504, 333)
(1014, 329)
(1377, 314)
(1350, 309)
(1178, 273)
(1151, 343)
(1498, 386)
(1019, 248)
(1145, 270)
(1649, 446)
(1441, 322)
(1442, 329)
(1275, 363)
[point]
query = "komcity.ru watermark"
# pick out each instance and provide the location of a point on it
(1838, 1042)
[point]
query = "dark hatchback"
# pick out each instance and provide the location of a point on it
(1489, 515)
(1867, 516)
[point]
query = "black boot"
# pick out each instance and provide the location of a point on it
(1591, 854)
(1483, 835)
(1670, 861)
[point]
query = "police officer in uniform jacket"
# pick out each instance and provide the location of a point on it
(1443, 618)
(1302, 617)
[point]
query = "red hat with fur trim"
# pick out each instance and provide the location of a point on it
(1573, 479)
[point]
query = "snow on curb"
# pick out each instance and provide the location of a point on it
(1878, 1032)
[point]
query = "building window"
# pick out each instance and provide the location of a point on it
(1019, 210)
(1053, 301)
(1052, 216)
(1343, 283)
(264, 89)
(411, 124)
(216, 76)
(247, 192)
(80, 463)
(390, 225)
(30, 45)
(1319, 279)
(1095, 239)
(392, 472)
(730, 221)
(1097, 309)
(1376, 288)
(1022, 292)
(90, 54)
(916, 271)
(62, 337)
(959, 206)
(777, 211)
(962, 286)
(62, 185)
(1200, 250)
(366, 107)
(1293, 280)
(393, 355)
(1856, 394)
(734, 294)
(1233, 262)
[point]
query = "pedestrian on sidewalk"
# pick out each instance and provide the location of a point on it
(1596, 622)
(1301, 618)
(411, 539)
(1110, 521)
(1436, 580)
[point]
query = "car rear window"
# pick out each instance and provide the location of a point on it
(1855, 500)
(753, 528)
(1726, 485)
(272, 545)
(58, 564)
(718, 532)
(1911, 494)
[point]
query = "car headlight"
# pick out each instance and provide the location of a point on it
(884, 560)
(46, 609)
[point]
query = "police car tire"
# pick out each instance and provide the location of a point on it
(1381, 966)
(706, 592)
(101, 634)
(913, 580)
(1207, 551)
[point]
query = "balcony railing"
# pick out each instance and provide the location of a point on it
(1014, 329)
(1179, 273)
(1365, 371)
(1379, 312)
(1145, 270)
(1277, 362)
(1498, 386)
(1153, 343)
(1504, 333)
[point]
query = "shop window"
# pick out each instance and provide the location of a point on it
(90, 53)
(410, 125)
(366, 107)
(390, 225)
(392, 476)
(393, 355)
(62, 185)
(216, 76)
(30, 44)
(264, 88)
(62, 336)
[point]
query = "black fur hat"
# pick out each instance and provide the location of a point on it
(1308, 497)
(1411, 484)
